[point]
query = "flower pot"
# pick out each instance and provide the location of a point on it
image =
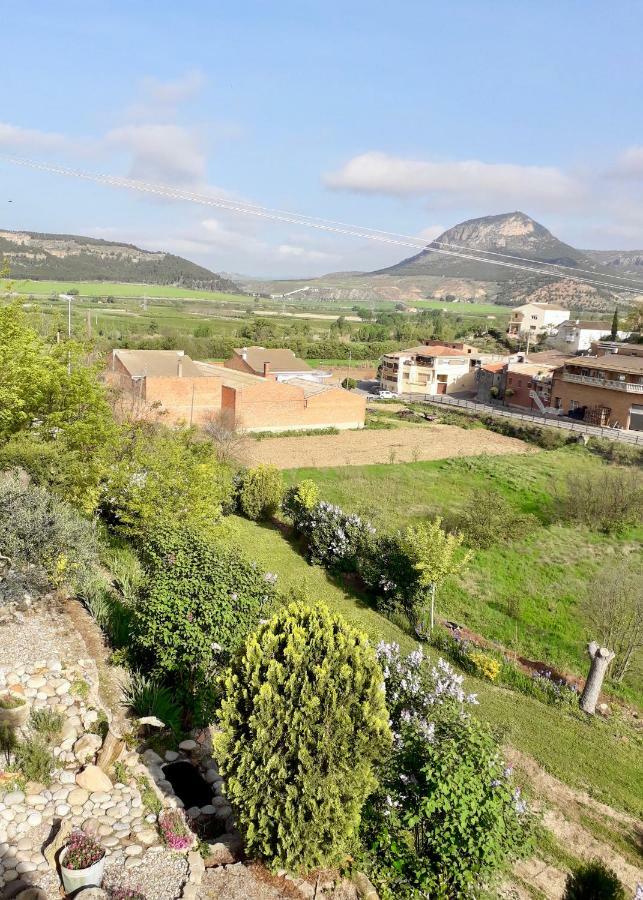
(18, 716)
(75, 879)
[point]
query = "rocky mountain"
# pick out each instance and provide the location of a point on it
(513, 233)
(69, 257)
(622, 262)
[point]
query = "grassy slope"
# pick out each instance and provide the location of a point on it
(526, 594)
(587, 755)
(464, 309)
(117, 289)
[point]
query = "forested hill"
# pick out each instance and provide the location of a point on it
(69, 257)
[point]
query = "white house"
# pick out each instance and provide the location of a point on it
(536, 319)
(577, 336)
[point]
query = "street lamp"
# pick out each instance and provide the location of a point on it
(68, 298)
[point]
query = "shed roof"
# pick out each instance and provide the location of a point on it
(279, 360)
(613, 362)
(156, 363)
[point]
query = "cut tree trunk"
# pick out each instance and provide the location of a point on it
(112, 748)
(600, 657)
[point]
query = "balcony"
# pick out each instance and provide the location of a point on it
(608, 383)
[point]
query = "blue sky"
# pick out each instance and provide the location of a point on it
(408, 117)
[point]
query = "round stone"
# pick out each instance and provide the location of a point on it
(34, 819)
(193, 812)
(188, 745)
(134, 850)
(62, 809)
(63, 688)
(208, 810)
(78, 796)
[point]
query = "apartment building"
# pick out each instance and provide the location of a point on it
(432, 368)
(536, 318)
(601, 390)
(577, 336)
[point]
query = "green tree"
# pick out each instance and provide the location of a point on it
(261, 491)
(614, 333)
(303, 720)
(200, 600)
(165, 478)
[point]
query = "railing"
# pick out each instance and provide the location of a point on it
(611, 434)
(610, 383)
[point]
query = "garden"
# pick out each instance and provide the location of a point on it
(349, 732)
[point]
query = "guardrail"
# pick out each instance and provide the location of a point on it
(611, 434)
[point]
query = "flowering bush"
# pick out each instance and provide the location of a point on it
(299, 500)
(335, 539)
(486, 666)
(83, 851)
(174, 828)
(447, 814)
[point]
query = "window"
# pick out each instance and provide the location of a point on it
(557, 403)
(573, 404)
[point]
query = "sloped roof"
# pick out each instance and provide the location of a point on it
(613, 362)
(588, 325)
(493, 367)
(427, 351)
(530, 369)
(279, 360)
(156, 363)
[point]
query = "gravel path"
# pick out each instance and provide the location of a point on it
(44, 631)
(358, 448)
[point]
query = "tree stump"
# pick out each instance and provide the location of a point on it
(600, 657)
(112, 748)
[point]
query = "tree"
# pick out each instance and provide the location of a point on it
(303, 721)
(614, 333)
(200, 600)
(600, 658)
(634, 319)
(593, 881)
(261, 491)
(614, 609)
(226, 437)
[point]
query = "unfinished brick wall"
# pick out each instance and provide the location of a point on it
(189, 400)
(277, 407)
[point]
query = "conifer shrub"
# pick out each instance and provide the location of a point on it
(260, 493)
(200, 600)
(303, 721)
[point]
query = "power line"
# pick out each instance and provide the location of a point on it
(319, 224)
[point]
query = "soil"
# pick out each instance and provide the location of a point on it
(358, 448)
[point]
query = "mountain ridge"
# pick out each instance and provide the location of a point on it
(44, 256)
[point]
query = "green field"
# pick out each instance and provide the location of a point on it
(464, 309)
(587, 754)
(526, 594)
(119, 290)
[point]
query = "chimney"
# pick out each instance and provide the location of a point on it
(244, 353)
(179, 367)
(266, 370)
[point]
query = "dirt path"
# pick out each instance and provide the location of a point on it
(569, 815)
(357, 448)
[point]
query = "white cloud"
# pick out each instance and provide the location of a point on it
(430, 233)
(293, 251)
(629, 164)
(457, 182)
(171, 93)
(161, 152)
(32, 140)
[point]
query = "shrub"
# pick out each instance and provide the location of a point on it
(200, 601)
(260, 493)
(47, 723)
(447, 815)
(298, 501)
(38, 529)
(83, 851)
(489, 519)
(609, 501)
(175, 831)
(34, 760)
(8, 741)
(335, 539)
(303, 720)
(593, 881)
(11, 701)
(486, 666)
(146, 697)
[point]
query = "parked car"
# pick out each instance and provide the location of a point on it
(386, 395)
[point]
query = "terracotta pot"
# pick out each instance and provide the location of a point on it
(16, 717)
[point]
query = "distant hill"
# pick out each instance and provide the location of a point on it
(70, 257)
(622, 262)
(513, 233)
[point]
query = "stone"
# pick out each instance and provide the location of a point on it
(151, 758)
(171, 755)
(193, 812)
(211, 776)
(191, 891)
(62, 809)
(67, 777)
(92, 893)
(226, 850)
(78, 796)
(34, 819)
(100, 797)
(134, 850)
(147, 836)
(188, 745)
(87, 745)
(152, 721)
(91, 826)
(14, 798)
(63, 688)
(31, 893)
(57, 843)
(208, 810)
(36, 682)
(93, 779)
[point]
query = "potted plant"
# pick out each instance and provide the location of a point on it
(14, 709)
(82, 861)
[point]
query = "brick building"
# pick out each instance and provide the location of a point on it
(194, 393)
(601, 390)
(280, 365)
(435, 367)
(523, 380)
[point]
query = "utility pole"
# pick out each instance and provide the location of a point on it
(68, 298)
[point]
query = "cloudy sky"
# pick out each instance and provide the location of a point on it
(406, 117)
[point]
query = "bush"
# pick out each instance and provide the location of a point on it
(146, 697)
(485, 666)
(303, 720)
(335, 539)
(200, 601)
(260, 493)
(489, 519)
(298, 501)
(38, 529)
(608, 501)
(447, 815)
(35, 760)
(593, 881)
(47, 723)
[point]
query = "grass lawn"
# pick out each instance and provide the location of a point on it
(118, 289)
(526, 594)
(589, 755)
(464, 309)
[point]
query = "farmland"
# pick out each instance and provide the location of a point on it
(118, 290)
